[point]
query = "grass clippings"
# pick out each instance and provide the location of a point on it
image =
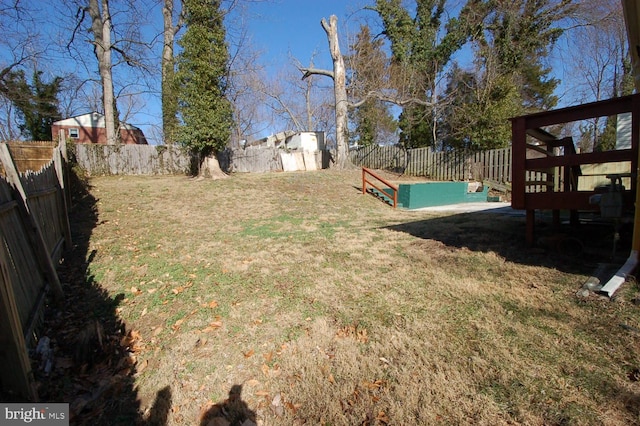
(297, 300)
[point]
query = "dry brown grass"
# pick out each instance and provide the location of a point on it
(329, 307)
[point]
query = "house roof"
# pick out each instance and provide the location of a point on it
(92, 119)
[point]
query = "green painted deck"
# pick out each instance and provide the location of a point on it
(430, 194)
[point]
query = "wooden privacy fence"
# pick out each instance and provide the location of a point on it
(34, 229)
(272, 159)
(174, 159)
(493, 165)
(132, 159)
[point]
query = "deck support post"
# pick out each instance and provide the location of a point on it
(530, 230)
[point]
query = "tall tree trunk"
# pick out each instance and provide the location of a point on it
(307, 96)
(340, 92)
(101, 29)
(169, 98)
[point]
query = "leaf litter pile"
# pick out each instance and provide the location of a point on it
(291, 298)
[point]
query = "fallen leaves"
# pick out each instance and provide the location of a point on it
(176, 325)
(211, 305)
(212, 326)
(270, 371)
(278, 405)
(376, 384)
(265, 370)
(141, 366)
(355, 332)
(367, 393)
(132, 341)
(291, 406)
(382, 417)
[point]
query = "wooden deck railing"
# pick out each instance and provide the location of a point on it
(555, 159)
(372, 179)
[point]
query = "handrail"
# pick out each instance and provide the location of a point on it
(392, 196)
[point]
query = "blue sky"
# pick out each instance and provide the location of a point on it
(280, 29)
(292, 27)
(285, 29)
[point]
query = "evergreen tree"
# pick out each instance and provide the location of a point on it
(607, 139)
(421, 47)
(372, 120)
(518, 36)
(477, 117)
(511, 45)
(202, 79)
(413, 42)
(37, 103)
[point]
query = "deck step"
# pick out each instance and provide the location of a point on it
(383, 197)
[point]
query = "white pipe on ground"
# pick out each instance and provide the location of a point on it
(621, 276)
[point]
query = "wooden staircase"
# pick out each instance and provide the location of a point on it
(379, 187)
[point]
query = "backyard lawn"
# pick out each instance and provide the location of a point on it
(300, 301)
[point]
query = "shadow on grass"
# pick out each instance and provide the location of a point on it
(231, 412)
(95, 353)
(573, 249)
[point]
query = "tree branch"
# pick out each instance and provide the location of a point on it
(308, 72)
(80, 14)
(376, 94)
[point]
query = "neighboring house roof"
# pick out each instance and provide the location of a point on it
(92, 119)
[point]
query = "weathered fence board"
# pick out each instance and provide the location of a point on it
(253, 160)
(170, 159)
(19, 257)
(32, 155)
(33, 228)
(132, 159)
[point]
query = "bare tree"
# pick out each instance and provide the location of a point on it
(396, 95)
(101, 28)
(20, 46)
(281, 97)
(601, 67)
(597, 48)
(339, 89)
(246, 76)
(116, 44)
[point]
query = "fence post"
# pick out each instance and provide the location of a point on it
(59, 162)
(40, 247)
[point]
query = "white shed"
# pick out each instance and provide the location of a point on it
(306, 141)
